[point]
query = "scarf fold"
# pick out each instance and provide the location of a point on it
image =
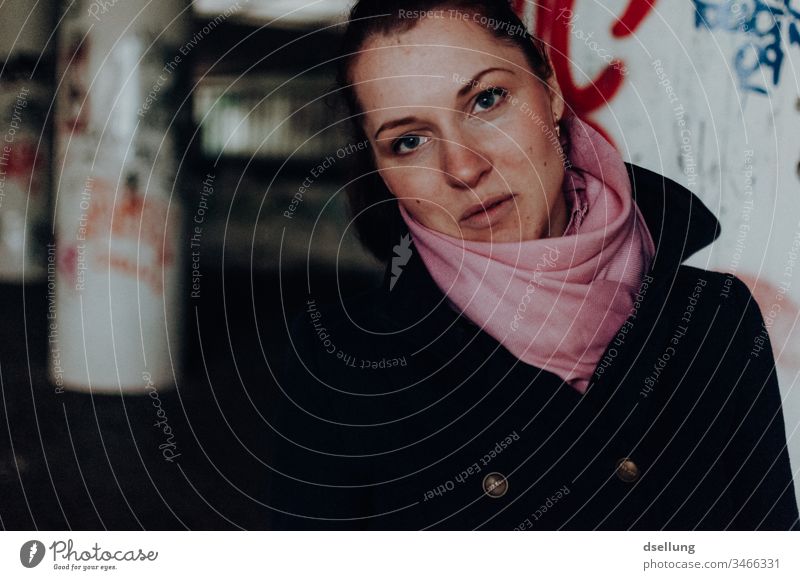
(554, 303)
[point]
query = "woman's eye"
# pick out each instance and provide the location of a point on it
(489, 98)
(408, 143)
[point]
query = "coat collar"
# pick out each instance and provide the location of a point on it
(678, 221)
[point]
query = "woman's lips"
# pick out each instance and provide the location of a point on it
(490, 213)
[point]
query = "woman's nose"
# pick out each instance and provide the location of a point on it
(463, 165)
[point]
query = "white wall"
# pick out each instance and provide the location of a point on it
(732, 130)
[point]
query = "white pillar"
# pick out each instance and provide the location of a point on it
(118, 207)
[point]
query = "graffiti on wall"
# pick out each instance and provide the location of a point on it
(555, 25)
(766, 27)
(763, 29)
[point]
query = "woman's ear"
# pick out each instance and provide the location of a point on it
(557, 104)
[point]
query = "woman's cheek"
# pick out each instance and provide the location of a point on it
(408, 182)
(515, 140)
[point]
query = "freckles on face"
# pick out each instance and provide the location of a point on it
(462, 131)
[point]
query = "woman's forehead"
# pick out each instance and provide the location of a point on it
(432, 45)
(426, 61)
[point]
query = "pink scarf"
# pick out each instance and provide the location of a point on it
(554, 303)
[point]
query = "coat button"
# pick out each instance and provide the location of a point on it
(495, 484)
(627, 470)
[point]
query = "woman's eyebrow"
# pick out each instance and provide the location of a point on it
(392, 124)
(468, 86)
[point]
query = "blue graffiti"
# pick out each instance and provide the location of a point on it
(765, 24)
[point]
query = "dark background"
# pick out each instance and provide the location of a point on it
(89, 461)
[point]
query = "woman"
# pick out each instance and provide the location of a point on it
(537, 357)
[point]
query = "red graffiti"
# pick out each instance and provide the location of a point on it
(633, 16)
(552, 27)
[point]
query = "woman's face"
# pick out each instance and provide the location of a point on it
(463, 132)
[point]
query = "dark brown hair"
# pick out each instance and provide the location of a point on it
(373, 208)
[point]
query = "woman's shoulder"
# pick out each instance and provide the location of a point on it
(728, 289)
(708, 336)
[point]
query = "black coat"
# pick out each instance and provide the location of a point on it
(442, 428)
